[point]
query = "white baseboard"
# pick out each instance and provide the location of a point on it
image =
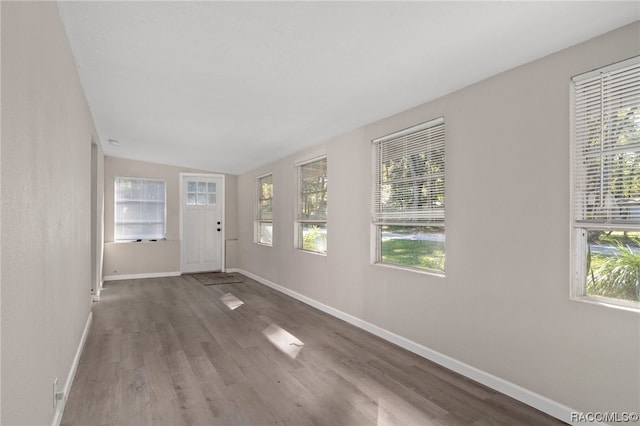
(57, 418)
(519, 393)
(140, 276)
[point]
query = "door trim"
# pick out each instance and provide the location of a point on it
(222, 213)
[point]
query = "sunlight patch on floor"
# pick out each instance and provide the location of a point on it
(231, 301)
(384, 416)
(395, 410)
(284, 341)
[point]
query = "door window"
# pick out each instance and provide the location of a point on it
(201, 193)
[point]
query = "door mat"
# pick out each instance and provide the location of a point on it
(217, 278)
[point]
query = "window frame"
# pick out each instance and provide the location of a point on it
(377, 222)
(258, 220)
(299, 222)
(116, 203)
(580, 228)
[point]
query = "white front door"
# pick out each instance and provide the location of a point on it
(202, 207)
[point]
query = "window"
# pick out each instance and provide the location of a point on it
(139, 209)
(606, 185)
(408, 197)
(201, 193)
(264, 210)
(312, 206)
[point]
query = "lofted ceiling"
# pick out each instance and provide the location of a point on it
(230, 86)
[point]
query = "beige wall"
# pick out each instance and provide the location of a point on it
(162, 256)
(45, 224)
(504, 305)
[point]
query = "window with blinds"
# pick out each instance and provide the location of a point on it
(140, 212)
(311, 217)
(606, 182)
(409, 196)
(264, 210)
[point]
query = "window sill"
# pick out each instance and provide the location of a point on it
(410, 269)
(609, 303)
(159, 240)
(262, 244)
(312, 252)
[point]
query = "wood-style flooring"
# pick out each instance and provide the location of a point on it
(170, 351)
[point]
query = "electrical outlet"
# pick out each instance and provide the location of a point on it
(55, 393)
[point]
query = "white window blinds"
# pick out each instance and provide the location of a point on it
(409, 176)
(606, 175)
(139, 209)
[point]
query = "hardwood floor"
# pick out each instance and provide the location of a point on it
(171, 351)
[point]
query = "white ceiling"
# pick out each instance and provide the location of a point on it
(230, 86)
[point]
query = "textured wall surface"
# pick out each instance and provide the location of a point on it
(46, 205)
(504, 304)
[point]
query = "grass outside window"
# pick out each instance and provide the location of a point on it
(413, 246)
